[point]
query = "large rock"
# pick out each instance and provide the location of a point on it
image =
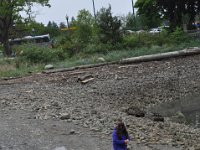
(65, 116)
(135, 111)
(179, 117)
(48, 67)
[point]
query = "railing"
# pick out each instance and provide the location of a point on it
(194, 33)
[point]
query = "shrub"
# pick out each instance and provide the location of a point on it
(39, 54)
(178, 36)
(131, 41)
(97, 48)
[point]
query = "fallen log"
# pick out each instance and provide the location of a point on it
(161, 56)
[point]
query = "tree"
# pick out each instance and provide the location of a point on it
(84, 23)
(10, 13)
(52, 29)
(109, 26)
(62, 25)
(172, 10)
(148, 13)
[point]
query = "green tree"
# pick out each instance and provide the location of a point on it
(52, 29)
(109, 26)
(10, 13)
(84, 23)
(172, 10)
(62, 25)
(148, 13)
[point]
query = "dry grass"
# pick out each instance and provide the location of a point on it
(7, 67)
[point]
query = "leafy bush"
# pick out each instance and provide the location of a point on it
(131, 41)
(39, 54)
(178, 36)
(97, 48)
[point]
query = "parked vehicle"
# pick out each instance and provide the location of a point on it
(43, 40)
(155, 30)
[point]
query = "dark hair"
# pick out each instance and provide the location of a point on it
(121, 130)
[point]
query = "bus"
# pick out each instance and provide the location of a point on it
(42, 40)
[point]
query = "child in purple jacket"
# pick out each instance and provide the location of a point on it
(120, 137)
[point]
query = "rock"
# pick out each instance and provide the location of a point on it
(93, 112)
(60, 148)
(158, 117)
(49, 66)
(179, 117)
(72, 131)
(56, 104)
(101, 59)
(65, 116)
(135, 111)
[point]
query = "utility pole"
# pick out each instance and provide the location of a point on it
(134, 19)
(94, 9)
(67, 18)
(133, 9)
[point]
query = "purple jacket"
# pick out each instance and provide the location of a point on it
(117, 143)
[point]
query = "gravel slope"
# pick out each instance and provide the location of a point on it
(43, 111)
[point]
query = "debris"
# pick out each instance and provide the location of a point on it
(85, 79)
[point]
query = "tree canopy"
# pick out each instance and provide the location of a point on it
(109, 26)
(10, 14)
(172, 10)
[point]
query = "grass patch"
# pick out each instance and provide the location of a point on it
(8, 68)
(16, 68)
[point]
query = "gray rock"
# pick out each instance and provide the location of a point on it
(135, 111)
(101, 59)
(65, 116)
(93, 112)
(179, 117)
(72, 131)
(49, 66)
(60, 148)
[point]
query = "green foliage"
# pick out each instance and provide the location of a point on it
(131, 41)
(172, 10)
(52, 29)
(84, 24)
(39, 54)
(148, 13)
(97, 48)
(178, 36)
(10, 12)
(109, 26)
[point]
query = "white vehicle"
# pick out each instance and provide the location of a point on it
(155, 30)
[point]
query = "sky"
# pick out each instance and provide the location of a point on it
(59, 9)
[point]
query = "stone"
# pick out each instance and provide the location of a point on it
(65, 116)
(135, 111)
(72, 131)
(179, 117)
(101, 59)
(93, 112)
(60, 148)
(48, 67)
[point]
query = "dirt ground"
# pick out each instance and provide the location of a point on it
(58, 111)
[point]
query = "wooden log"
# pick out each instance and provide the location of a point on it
(161, 56)
(87, 80)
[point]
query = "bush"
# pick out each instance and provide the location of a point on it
(97, 48)
(39, 54)
(178, 36)
(131, 41)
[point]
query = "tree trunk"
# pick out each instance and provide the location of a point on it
(7, 48)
